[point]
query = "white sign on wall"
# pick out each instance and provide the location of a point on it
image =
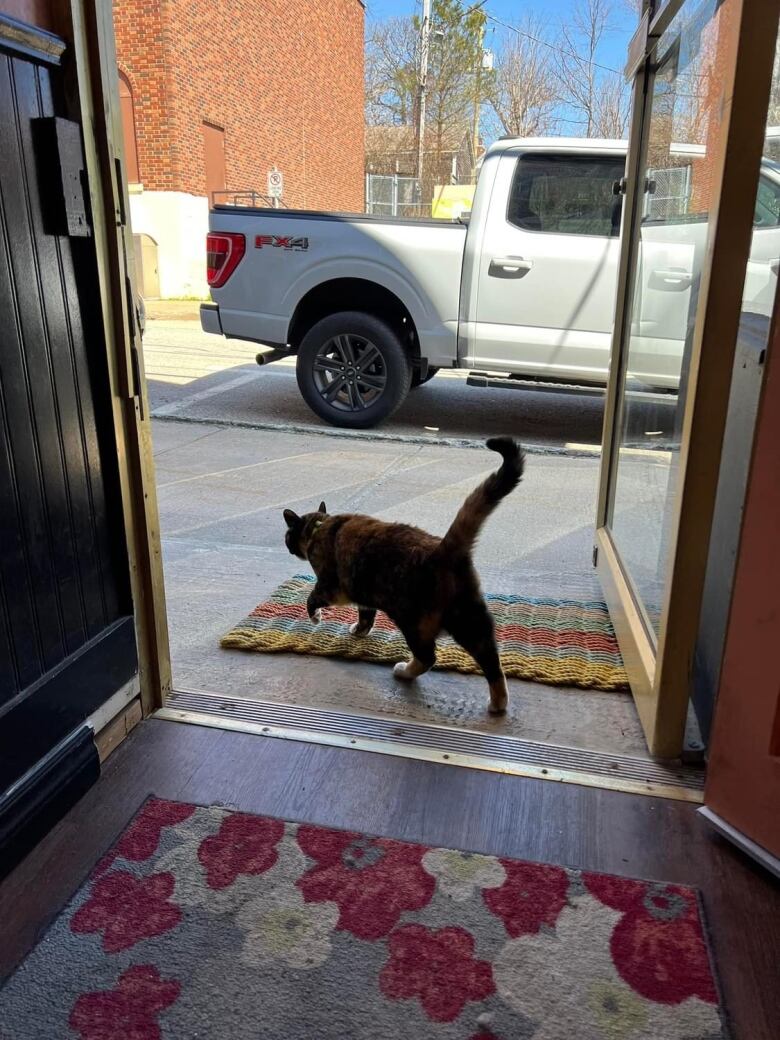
(275, 183)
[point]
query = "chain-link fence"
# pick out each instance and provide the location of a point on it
(390, 195)
(672, 195)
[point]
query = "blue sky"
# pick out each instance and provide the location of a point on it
(551, 12)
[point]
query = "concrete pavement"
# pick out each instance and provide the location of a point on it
(235, 444)
(221, 493)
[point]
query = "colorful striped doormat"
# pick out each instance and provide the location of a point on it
(562, 642)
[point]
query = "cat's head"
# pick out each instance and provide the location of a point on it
(300, 530)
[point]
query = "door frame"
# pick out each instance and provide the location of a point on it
(742, 795)
(92, 88)
(659, 672)
(659, 676)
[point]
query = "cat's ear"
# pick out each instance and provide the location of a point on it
(322, 508)
(291, 518)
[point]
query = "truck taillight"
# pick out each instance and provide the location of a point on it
(224, 251)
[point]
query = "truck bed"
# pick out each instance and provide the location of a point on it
(290, 254)
(351, 218)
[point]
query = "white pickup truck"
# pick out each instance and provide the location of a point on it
(523, 291)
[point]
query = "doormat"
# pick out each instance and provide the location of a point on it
(208, 923)
(562, 642)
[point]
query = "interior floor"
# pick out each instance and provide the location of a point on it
(221, 493)
(438, 805)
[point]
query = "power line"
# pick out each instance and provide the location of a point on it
(579, 57)
(480, 5)
(552, 46)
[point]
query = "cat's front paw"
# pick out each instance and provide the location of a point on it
(316, 616)
(402, 671)
(356, 629)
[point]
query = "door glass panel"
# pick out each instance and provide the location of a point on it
(680, 171)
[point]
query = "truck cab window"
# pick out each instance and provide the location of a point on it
(566, 195)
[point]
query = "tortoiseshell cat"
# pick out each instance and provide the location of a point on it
(423, 583)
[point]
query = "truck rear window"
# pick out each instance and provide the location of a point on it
(569, 195)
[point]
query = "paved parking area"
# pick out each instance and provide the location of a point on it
(196, 376)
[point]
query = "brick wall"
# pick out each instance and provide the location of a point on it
(139, 31)
(714, 63)
(285, 80)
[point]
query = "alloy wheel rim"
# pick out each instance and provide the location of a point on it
(350, 373)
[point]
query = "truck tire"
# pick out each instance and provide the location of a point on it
(352, 370)
(416, 381)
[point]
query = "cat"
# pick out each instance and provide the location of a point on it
(424, 584)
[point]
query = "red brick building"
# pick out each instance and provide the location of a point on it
(214, 95)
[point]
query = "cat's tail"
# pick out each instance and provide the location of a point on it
(483, 500)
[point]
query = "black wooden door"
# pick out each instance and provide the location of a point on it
(66, 629)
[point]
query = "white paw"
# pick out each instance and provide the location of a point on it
(401, 671)
(316, 616)
(355, 630)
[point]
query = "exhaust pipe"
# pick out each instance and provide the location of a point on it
(265, 357)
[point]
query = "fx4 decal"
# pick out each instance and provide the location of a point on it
(281, 242)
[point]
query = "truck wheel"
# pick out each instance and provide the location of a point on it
(353, 370)
(416, 381)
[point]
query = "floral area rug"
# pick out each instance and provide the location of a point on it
(207, 923)
(562, 642)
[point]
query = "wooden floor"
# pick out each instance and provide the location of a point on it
(417, 801)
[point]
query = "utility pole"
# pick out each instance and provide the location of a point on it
(422, 83)
(477, 98)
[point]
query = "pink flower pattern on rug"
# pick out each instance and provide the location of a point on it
(439, 968)
(533, 895)
(227, 922)
(372, 880)
(141, 839)
(130, 1011)
(244, 845)
(128, 909)
(657, 945)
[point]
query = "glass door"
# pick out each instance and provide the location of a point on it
(702, 73)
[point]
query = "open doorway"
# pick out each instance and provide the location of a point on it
(235, 444)
(158, 873)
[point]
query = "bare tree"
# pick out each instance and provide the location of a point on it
(589, 91)
(525, 90)
(392, 64)
(391, 72)
(612, 109)
(773, 118)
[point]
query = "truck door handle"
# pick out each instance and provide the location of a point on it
(671, 281)
(509, 267)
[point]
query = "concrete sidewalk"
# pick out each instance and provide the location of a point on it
(173, 310)
(221, 493)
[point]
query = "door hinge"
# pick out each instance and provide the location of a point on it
(131, 305)
(136, 363)
(120, 194)
(595, 556)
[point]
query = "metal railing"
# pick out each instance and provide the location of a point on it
(255, 199)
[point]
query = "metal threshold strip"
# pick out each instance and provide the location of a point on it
(436, 743)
